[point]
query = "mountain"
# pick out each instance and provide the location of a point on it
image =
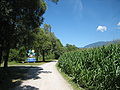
(101, 43)
(96, 44)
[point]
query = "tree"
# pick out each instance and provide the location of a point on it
(56, 44)
(43, 43)
(17, 16)
(47, 28)
(47, 42)
(70, 47)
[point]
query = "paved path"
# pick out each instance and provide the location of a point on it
(47, 79)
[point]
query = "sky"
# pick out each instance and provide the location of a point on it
(82, 22)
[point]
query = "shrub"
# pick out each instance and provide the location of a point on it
(17, 55)
(50, 56)
(14, 55)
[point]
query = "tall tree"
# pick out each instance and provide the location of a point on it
(56, 44)
(43, 43)
(17, 16)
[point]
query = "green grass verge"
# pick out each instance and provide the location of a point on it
(22, 64)
(69, 79)
(13, 63)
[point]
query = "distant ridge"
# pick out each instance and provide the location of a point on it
(101, 43)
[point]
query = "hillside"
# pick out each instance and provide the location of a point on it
(101, 43)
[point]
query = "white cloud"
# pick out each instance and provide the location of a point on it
(101, 28)
(118, 24)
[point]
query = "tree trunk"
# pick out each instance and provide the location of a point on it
(43, 54)
(6, 58)
(1, 55)
(37, 56)
(2, 31)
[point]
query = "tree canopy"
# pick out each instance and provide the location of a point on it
(18, 18)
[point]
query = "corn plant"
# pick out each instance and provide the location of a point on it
(94, 68)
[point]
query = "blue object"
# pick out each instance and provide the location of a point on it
(31, 59)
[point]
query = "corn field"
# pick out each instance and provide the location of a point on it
(94, 68)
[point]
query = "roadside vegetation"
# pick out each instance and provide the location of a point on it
(69, 79)
(93, 68)
(25, 64)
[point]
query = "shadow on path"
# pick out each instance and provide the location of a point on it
(26, 87)
(14, 75)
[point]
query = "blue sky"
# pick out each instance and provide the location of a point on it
(81, 22)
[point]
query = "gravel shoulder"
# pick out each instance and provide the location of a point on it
(44, 77)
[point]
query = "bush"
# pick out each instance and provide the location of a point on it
(17, 55)
(14, 55)
(50, 56)
(22, 54)
(95, 68)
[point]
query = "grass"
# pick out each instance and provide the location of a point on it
(22, 64)
(69, 79)
(13, 63)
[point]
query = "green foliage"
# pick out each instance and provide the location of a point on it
(42, 40)
(49, 56)
(58, 52)
(94, 68)
(17, 17)
(17, 55)
(22, 54)
(57, 47)
(14, 55)
(47, 43)
(70, 47)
